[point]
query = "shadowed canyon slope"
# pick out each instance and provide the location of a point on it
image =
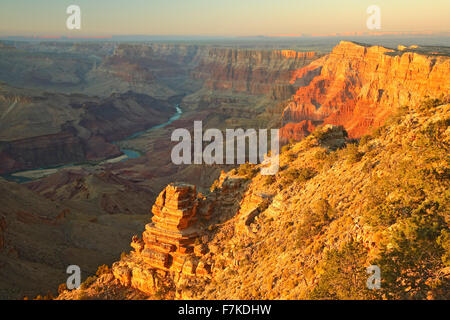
(40, 237)
(40, 129)
(360, 86)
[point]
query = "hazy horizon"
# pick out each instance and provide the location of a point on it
(215, 18)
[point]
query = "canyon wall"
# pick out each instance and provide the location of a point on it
(360, 86)
(61, 128)
(252, 71)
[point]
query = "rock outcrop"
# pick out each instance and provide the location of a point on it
(176, 248)
(360, 86)
(170, 242)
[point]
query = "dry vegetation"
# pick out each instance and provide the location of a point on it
(334, 208)
(382, 200)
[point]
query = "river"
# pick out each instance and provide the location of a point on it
(29, 175)
(132, 154)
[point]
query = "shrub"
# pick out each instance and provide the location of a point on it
(291, 157)
(378, 132)
(285, 148)
(268, 180)
(365, 139)
(431, 103)
(352, 153)
(331, 158)
(305, 174)
(247, 170)
(444, 242)
(434, 131)
(214, 186)
(320, 155)
(319, 133)
(298, 175)
(397, 116)
(314, 220)
(290, 176)
(344, 274)
(413, 256)
(322, 209)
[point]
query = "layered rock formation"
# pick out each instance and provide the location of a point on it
(252, 71)
(176, 248)
(359, 86)
(297, 130)
(170, 243)
(63, 128)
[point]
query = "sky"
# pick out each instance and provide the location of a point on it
(220, 17)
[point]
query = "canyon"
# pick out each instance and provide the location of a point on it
(359, 86)
(81, 104)
(54, 129)
(72, 112)
(306, 236)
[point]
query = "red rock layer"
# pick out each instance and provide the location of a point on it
(360, 86)
(296, 131)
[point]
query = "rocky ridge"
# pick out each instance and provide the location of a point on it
(283, 236)
(360, 86)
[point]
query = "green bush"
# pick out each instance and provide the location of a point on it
(344, 275)
(413, 256)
